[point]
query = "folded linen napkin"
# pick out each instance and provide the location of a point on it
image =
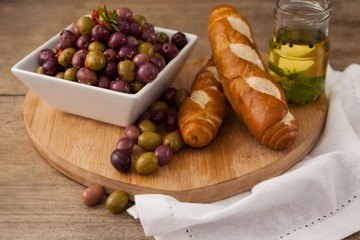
(319, 198)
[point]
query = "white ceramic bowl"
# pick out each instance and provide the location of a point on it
(100, 104)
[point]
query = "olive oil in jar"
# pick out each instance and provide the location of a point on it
(299, 48)
(299, 65)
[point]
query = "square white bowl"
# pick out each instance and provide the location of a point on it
(93, 102)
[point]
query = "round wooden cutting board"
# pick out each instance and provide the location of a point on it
(234, 162)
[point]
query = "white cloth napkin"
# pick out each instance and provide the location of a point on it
(319, 198)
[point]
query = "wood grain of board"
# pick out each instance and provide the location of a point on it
(234, 162)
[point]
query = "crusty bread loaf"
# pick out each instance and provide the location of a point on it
(201, 115)
(255, 96)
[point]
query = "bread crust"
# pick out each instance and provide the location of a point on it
(255, 96)
(201, 115)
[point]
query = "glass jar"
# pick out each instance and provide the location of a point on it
(299, 48)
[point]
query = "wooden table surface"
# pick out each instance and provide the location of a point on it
(36, 201)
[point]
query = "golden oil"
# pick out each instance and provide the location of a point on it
(300, 67)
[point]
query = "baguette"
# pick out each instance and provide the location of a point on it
(201, 115)
(255, 96)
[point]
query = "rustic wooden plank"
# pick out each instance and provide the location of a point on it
(36, 201)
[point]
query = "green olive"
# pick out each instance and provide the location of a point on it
(96, 45)
(59, 75)
(116, 201)
(146, 48)
(136, 86)
(66, 56)
(85, 25)
(147, 126)
(174, 141)
(146, 163)
(40, 70)
(140, 19)
(127, 70)
(158, 105)
(162, 37)
(180, 95)
(149, 140)
(95, 60)
(70, 74)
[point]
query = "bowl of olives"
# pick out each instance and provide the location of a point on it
(108, 66)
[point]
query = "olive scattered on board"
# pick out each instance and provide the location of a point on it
(156, 134)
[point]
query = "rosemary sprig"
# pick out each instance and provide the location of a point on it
(109, 18)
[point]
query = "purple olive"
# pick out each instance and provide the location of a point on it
(78, 60)
(164, 154)
(179, 40)
(120, 160)
(136, 30)
(126, 52)
(104, 82)
(168, 95)
(145, 116)
(149, 27)
(110, 69)
(132, 132)
(126, 144)
(66, 33)
(171, 121)
(158, 116)
(148, 36)
(120, 86)
(75, 29)
(124, 27)
(45, 54)
(116, 40)
(110, 54)
(51, 67)
(140, 58)
(87, 76)
(157, 47)
(83, 42)
(146, 72)
(158, 63)
(100, 33)
(67, 39)
(132, 41)
(124, 14)
(169, 51)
